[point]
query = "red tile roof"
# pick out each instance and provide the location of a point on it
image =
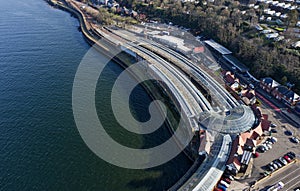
(265, 125)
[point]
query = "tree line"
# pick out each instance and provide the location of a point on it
(224, 22)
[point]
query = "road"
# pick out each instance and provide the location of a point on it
(289, 175)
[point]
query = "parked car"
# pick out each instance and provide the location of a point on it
(226, 175)
(274, 139)
(291, 154)
(261, 149)
(294, 140)
(256, 154)
(282, 161)
(226, 180)
(222, 187)
(273, 125)
(266, 173)
(288, 133)
(273, 165)
(268, 145)
(276, 161)
(287, 158)
(274, 131)
(270, 167)
(268, 141)
(218, 189)
(224, 183)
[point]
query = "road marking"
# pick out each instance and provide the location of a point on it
(291, 181)
(273, 176)
(292, 186)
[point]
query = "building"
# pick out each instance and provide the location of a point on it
(248, 96)
(291, 98)
(268, 84)
(279, 92)
(244, 144)
(297, 108)
(217, 48)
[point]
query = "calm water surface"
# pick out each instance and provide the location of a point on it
(40, 148)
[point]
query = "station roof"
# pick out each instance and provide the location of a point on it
(221, 49)
(235, 62)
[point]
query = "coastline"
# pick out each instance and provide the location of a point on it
(153, 90)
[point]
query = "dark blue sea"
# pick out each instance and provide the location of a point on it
(40, 147)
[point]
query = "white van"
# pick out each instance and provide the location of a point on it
(276, 187)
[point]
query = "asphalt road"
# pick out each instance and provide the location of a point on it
(289, 175)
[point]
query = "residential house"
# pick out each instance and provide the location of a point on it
(268, 84)
(231, 81)
(297, 108)
(279, 92)
(291, 98)
(248, 96)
